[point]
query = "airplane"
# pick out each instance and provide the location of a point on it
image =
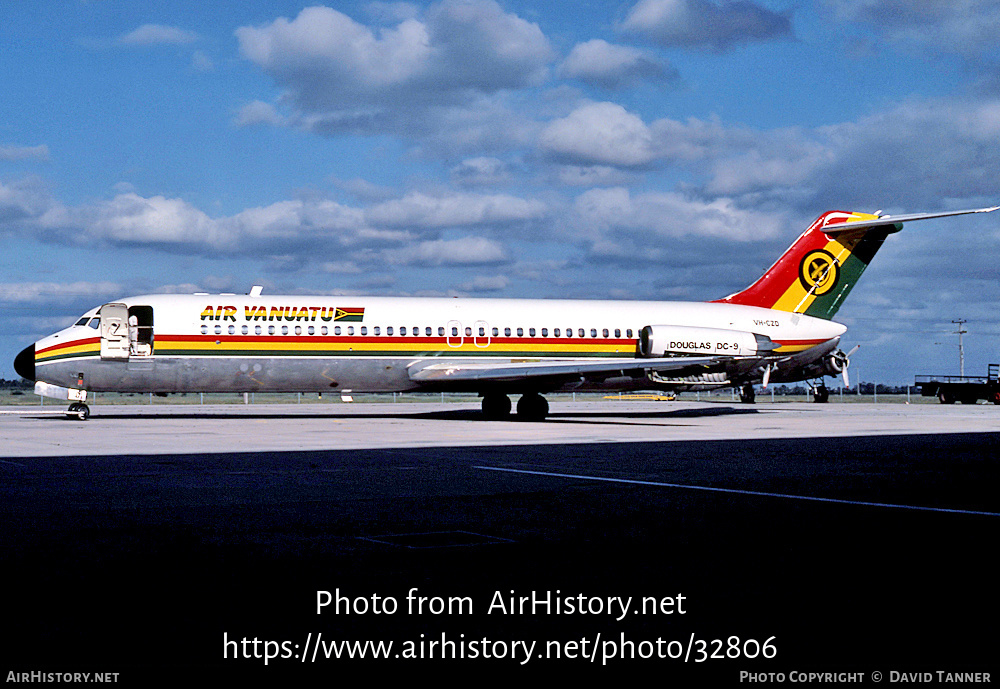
(777, 330)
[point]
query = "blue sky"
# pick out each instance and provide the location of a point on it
(652, 149)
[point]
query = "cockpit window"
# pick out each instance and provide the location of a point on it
(95, 323)
(82, 321)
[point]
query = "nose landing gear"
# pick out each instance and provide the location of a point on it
(78, 410)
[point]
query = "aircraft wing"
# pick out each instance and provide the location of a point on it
(464, 371)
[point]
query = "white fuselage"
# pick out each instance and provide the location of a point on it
(175, 343)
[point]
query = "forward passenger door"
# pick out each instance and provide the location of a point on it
(114, 331)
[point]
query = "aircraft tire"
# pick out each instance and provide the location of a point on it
(496, 407)
(821, 394)
(747, 394)
(532, 407)
(78, 410)
(945, 398)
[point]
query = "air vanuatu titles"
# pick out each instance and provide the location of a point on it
(288, 313)
(553, 603)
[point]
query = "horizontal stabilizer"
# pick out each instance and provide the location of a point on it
(837, 225)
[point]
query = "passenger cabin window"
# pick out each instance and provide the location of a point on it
(506, 332)
(496, 332)
(531, 332)
(604, 332)
(440, 331)
(520, 332)
(388, 330)
(350, 330)
(618, 332)
(555, 332)
(468, 331)
(364, 329)
(337, 330)
(593, 332)
(377, 330)
(628, 333)
(428, 331)
(402, 331)
(454, 332)
(581, 333)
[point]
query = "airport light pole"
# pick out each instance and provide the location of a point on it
(961, 351)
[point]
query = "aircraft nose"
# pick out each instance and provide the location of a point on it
(24, 363)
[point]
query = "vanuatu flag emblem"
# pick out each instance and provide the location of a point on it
(349, 313)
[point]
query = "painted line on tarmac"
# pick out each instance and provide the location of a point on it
(739, 491)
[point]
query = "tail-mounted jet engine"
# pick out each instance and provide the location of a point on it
(682, 340)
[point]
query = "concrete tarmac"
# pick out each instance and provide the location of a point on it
(697, 541)
(165, 428)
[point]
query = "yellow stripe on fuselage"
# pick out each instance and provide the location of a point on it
(70, 350)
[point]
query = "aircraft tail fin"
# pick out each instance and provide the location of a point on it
(818, 271)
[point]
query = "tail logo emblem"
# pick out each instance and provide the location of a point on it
(819, 272)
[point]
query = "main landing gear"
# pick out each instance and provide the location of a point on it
(821, 393)
(78, 410)
(496, 407)
(747, 394)
(531, 407)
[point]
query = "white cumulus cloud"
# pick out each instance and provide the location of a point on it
(47, 292)
(453, 210)
(465, 251)
(600, 133)
(158, 34)
(610, 66)
(709, 24)
(341, 75)
(24, 152)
